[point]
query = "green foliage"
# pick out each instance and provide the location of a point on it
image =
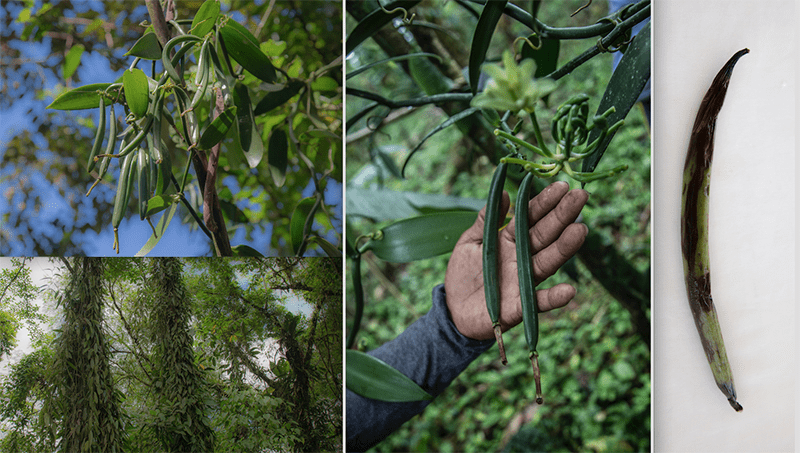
(195, 346)
(183, 425)
(89, 415)
(294, 46)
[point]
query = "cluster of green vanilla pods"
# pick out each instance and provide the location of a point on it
(570, 129)
(142, 152)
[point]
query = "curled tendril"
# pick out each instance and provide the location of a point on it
(527, 41)
(406, 20)
(581, 8)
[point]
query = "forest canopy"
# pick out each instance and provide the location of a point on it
(167, 354)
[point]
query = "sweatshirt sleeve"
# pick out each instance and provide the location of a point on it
(432, 352)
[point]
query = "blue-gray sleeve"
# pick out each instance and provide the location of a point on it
(432, 352)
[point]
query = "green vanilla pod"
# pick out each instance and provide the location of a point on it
(527, 285)
(491, 253)
(694, 230)
(98, 138)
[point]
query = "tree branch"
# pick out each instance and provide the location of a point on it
(158, 21)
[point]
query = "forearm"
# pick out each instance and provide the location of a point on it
(432, 353)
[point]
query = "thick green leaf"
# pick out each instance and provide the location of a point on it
(243, 47)
(205, 18)
(277, 98)
(298, 222)
(72, 60)
(374, 21)
(85, 97)
(147, 47)
(383, 205)
(483, 36)
(325, 84)
(218, 129)
(330, 249)
(136, 91)
(249, 138)
(623, 90)
(232, 212)
(159, 203)
(278, 155)
(422, 237)
(159, 233)
(546, 56)
(373, 378)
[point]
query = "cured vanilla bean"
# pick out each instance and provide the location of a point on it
(694, 230)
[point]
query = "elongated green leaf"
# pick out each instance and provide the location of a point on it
(136, 91)
(382, 205)
(623, 90)
(429, 77)
(147, 47)
(277, 98)
(278, 155)
(481, 39)
(218, 129)
(421, 237)
(361, 69)
(159, 233)
(249, 138)
(373, 378)
(85, 97)
(298, 222)
(243, 47)
(72, 60)
(374, 21)
(205, 18)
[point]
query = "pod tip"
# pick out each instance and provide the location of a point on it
(537, 377)
(735, 404)
(498, 335)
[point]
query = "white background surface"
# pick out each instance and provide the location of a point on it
(752, 225)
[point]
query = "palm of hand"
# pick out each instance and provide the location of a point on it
(555, 238)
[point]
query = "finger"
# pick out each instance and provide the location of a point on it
(547, 261)
(474, 234)
(555, 297)
(546, 200)
(547, 299)
(548, 228)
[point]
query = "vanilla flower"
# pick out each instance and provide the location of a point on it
(513, 86)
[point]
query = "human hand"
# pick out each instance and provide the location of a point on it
(554, 239)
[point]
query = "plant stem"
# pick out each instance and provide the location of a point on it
(432, 99)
